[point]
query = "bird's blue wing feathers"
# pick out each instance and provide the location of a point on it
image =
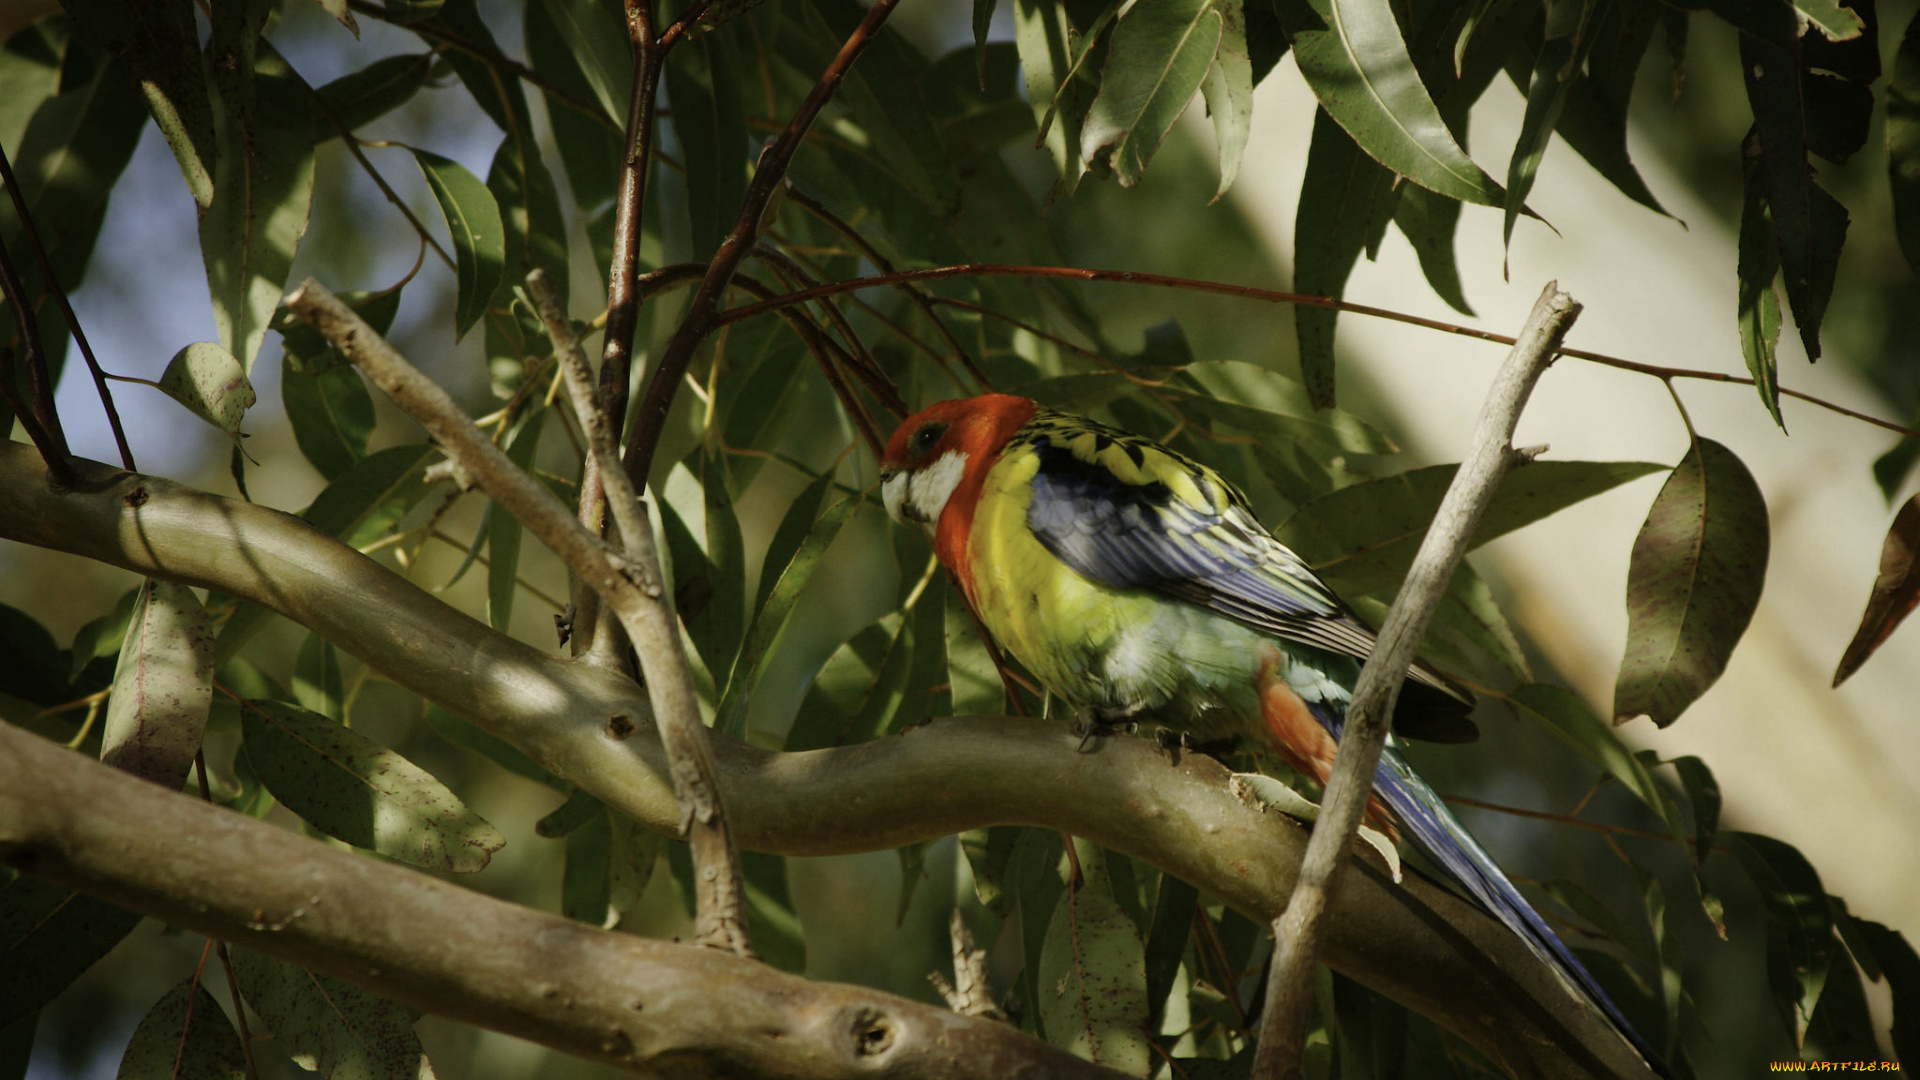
(1131, 514)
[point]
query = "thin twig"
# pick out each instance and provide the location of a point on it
(877, 382)
(630, 587)
(721, 908)
(66, 310)
(1298, 931)
(824, 352)
(495, 59)
(1249, 292)
(701, 318)
(37, 416)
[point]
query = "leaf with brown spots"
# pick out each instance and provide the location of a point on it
(1895, 592)
(162, 686)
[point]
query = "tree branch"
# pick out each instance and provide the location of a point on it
(648, 1005)
(1416, 943)
(1297, 934)
(700, 319)
(631, 587)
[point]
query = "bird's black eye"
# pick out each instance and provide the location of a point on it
(927, 436)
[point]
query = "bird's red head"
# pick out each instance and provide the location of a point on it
(944, 450)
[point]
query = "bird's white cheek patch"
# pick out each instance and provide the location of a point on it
(929, 489)
(894, 494)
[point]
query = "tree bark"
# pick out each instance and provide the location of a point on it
(1416, 942)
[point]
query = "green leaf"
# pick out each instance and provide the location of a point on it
(777, 934)
(318, 683)
(330, 1027)
(580, 808)
(1567, 716)
(856, 691)
(162, 686)
(1703, 794)
(709, 119)
(1834, 20)
(1555, 68)
(184, 1036)
(726, 612)
(1903, 143)
(479, 238)
(597, 39)
(1363, 537)
(782, 584)
(1158, 57)
(1060, 82)
(1228, 90)
(503, 529)
(495, 749)
(589, 145)
(974, 681)
(1593, 120)
(1270, 405)
(1896, 591)
(1607, 922)
(1173, 910)
(160, 47)
(262, 183)
(1809, 224)
(330, 412)
(1796, 907)
(1841, 1027)
(1756, 267)
(536, 230)
(362, 503)
(1346, 200)
(1468, 611)
(1093, 975)
(102, 636)
(355, 790)
(584, 886)
(1896, 958)
(1356, 62)
(1429, 222)
(359, 98)
(632, 854)
(49, 936)
(1692, 585)
(989, 852)
(208, 380)
(1671, 959)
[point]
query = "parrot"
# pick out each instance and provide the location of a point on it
(1136, 585)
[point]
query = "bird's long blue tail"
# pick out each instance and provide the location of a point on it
(1449, 844)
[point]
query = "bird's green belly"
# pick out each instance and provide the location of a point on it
(1120, 652)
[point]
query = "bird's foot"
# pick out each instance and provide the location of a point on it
(1173, 742)
(1090, 726)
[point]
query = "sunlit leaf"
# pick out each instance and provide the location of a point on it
(1797, 906)
(330, 1027)
(1895, 591)
(479, 239)
(262, 181)
(49, 936)
(1346, 200)
(30, 64)
(589, 146)
(598, 40)
(1060, 95)
(1157, 59)
(162, 686)
(1757, 266)
(208, 380)
(1355, 60)
(360, 97)
(1228, 90)
(1836, 21)
(355, 790)
(973, 680)
(363, 503)
(1092, 973)
(318, 682)
(633, 852)
(184, 1036)
(160, 47)
(1363, 537)
(1692, 585)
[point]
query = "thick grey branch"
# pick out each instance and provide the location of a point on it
(654, 1006)
(1416, 943)
(629, 585)
(1298, 933)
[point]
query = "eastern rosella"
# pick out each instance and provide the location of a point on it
(1135, 583)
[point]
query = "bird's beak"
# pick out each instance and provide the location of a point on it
(893, 491)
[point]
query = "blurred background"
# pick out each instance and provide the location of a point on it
(1834, 772)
